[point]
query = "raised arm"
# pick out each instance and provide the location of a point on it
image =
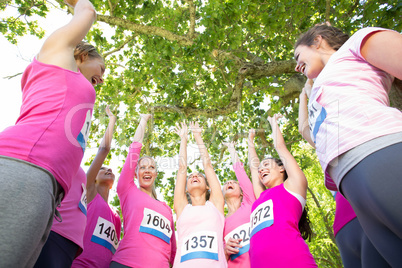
(241, 175)
(383, 50)
(103, 151)
(58, 47)
(216, 192)
(304, 128)
(180, 199)
(127, 173)
(254, 162)
(296, 181)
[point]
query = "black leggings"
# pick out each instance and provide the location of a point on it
(374, 189)
(356, 249)
(58, 252)
(114, 264)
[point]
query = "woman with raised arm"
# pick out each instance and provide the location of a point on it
(42, 152)
(149, 234)
(347, 118)
(103, 227)
(66, 239)
(199, 224)
(239, 197)
(278, 218)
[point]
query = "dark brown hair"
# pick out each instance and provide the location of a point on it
(304, 222)
(332, 35)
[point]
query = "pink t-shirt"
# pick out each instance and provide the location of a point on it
(275, 237)
(344, 213)
(54, 122)
(149, 236)
(349, 103)
(73, 211)
(237, 225)
(102, 235)
(200, 234)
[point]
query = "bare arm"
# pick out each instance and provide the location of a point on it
(180, 199)
(58, 47)
(384, 50)
(254, 162)
(296, 181)
(216, 193)
(304, 128)
(103, 151)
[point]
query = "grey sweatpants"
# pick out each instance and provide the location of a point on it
(27, 206)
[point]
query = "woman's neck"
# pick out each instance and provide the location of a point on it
(103, 190)
(233, 204)
(148, 191)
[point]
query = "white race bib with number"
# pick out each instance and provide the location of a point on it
(316, 116)
(200, 245)
(156, 224)
(241, 232)
(84, 133)
(262, 217)
(83, 201)
(105, 235)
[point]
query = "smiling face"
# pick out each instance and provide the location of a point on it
(146, 172)
(308, 61)
(232, 189)
(270, 173)
(105, 176)
(92, 69)
(196, 181)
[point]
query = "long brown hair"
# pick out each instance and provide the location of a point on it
(332, 35)
(304, 222)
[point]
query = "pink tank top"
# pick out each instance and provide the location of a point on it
(73, 211)
(237, 225)
(54, 122)
(200, 234)
(349, 103)
(344, 213)
(102, 235)
(149, 236)
(274, 229)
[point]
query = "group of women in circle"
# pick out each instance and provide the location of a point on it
(343, 112)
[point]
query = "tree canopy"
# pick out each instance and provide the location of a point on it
(228, 64)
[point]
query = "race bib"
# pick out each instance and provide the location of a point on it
(241, 232)
(262, 217)
(83, 201)
(200, 245)
(156, 224)
(105, 235)
(84, 133)
(316, 116)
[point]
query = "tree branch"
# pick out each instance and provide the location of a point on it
(327, 224)
(327, 9)
(145, 29)
(120, 47)
(191, 7)
(254, 71)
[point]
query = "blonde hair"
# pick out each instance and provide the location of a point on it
(156, 168)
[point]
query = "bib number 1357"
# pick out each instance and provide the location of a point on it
(200, 245)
